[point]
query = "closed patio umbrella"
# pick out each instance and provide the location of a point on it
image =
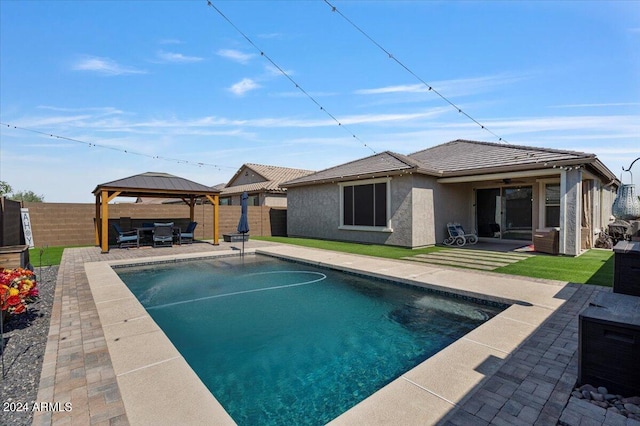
(243, 225)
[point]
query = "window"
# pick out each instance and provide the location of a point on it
(225, 201)
(552, 205)
(253, 200)
(365, 204)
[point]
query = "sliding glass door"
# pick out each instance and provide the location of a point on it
(517, 209)
(505, 212)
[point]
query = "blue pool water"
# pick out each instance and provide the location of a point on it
(282, 343)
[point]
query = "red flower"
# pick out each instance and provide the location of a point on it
(13, 300)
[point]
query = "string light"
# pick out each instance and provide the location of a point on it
(392, 57)
(284, 73)
(126, 151)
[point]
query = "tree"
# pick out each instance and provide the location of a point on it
(5, 188)
(29, 196)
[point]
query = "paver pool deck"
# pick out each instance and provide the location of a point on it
(111, 361)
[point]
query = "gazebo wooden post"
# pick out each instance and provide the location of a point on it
(214, 200)
(104, 219)
(216, 210)
(97, 221)
(192, 209)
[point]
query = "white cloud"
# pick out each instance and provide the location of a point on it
(243, 86)
(104, 66)
(596, 105)
(235, 55)
(177, 57)
(449, 88)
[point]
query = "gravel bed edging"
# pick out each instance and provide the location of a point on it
(25, 341)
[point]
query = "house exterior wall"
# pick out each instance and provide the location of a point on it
(452, 203)
(420, 211)
(246, 176)
(275, 200)
(314, 212)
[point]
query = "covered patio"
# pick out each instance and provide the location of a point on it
(152, 185)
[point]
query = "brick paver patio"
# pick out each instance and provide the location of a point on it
(531, 388)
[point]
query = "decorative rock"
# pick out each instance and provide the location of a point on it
(631, 400)
(587, 388)
(632, 408)
(615, 404)
(613, 410)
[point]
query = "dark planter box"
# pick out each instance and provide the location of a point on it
(609, 343)
(626, 276)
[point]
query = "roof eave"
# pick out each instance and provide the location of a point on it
(517, 168)
(347, 178)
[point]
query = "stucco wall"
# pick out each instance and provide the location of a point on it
(420, 210)
(570, 212)
(452, 203)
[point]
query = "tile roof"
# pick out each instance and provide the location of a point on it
(463, 157)
(455, 158)
(273, 177)
(384, 162)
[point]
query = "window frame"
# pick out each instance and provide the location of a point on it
(543, 219)
(387, 227)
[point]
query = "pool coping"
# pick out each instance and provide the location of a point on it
(424, 394)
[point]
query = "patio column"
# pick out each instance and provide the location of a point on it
(104, 219)
(570, 211)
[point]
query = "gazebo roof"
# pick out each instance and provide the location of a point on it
(155, 184)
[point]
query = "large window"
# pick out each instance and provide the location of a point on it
(365, 204)
(552, 205)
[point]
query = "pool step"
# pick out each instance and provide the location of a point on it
(470, 259)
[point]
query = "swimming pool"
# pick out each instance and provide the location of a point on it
(286, 343)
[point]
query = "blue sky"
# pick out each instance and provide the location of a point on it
(174, 79)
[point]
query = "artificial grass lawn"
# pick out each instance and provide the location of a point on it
(49, 256)
(593, 267)
(388, 252)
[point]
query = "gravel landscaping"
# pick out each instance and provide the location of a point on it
(25, 340)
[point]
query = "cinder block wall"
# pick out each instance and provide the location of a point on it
(66, 224)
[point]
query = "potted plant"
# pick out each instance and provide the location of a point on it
(18, 288)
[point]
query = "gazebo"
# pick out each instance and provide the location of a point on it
(151, 184)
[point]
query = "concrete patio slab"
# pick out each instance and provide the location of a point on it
(399, 403)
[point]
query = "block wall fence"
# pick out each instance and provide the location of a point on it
(69, 224)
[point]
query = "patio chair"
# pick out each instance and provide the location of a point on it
(187, 235)
(126, 239)
(458, 237)
(163, 234)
